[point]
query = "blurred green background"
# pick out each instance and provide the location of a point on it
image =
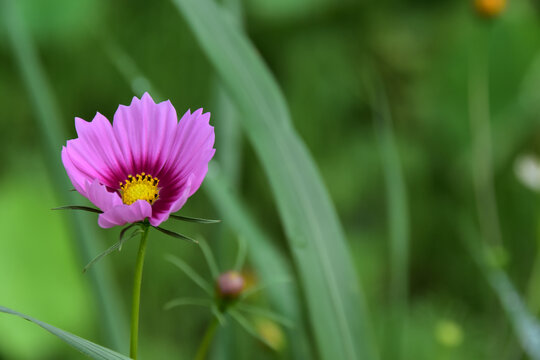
(429, 57)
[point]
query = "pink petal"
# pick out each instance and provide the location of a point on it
(95, 154)
(158, 218)
(145, 132)
(78, 178)
(123, 214)
(192, 149)
(101, 197)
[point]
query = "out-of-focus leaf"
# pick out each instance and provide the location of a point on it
(210, 260)
(265, 313)
(88, 348)
(250, 329)
(335, 303)
(192, 274)
(525, 325)
(187, 301)
(397, 210)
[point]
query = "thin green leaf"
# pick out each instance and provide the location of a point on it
(397, 209)
(195, 220)
(241, 254)
(116, 246)
(218, 314)
(255, 289)
(121, 236)
(86, 347)
(210, 260)
(246, 325)
(175, 235)
(266, 314)
(192, 274)
(335, 303)
(76, 207)
(524, 324)
(187, 301)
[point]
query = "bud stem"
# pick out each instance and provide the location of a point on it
(137, 280)
(207, 339)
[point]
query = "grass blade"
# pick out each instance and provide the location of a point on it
(525, 325)
(187, 301)
(398, 214)
(210, 260)
(86, 347)
(244, 323)
(241, 254)
(190, 272)
(335, 302)
(265, 313)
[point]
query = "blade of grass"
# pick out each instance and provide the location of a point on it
(190, 272)
(266, 314)
(241, 254)
(397, 209)
(210, 260)
(250, 329)
(187, 301)
(86, 347)
(328, 277)
(47, 117)
(526, 327)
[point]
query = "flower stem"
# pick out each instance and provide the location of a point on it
(207, 339)
(137, 280)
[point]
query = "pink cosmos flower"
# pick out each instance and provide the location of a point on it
(143, 166)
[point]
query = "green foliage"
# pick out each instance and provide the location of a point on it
(88, 348)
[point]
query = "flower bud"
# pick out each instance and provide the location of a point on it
(489, 8)
(230, 284)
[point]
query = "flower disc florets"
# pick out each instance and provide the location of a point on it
(139, 187)
(143, 166)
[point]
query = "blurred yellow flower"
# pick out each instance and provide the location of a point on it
(271, 333)
(489, 8)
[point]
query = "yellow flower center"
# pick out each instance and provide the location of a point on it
(139, 187)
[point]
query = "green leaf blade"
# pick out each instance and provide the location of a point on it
(86, 347)
(335, 303)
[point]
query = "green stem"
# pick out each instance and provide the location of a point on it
(207, 339)
(137, 280)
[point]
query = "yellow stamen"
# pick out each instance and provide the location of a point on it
(139, 187)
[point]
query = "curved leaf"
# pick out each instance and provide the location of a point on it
(88, 348)
(335, 303)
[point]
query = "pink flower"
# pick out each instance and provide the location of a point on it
(145, 165)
